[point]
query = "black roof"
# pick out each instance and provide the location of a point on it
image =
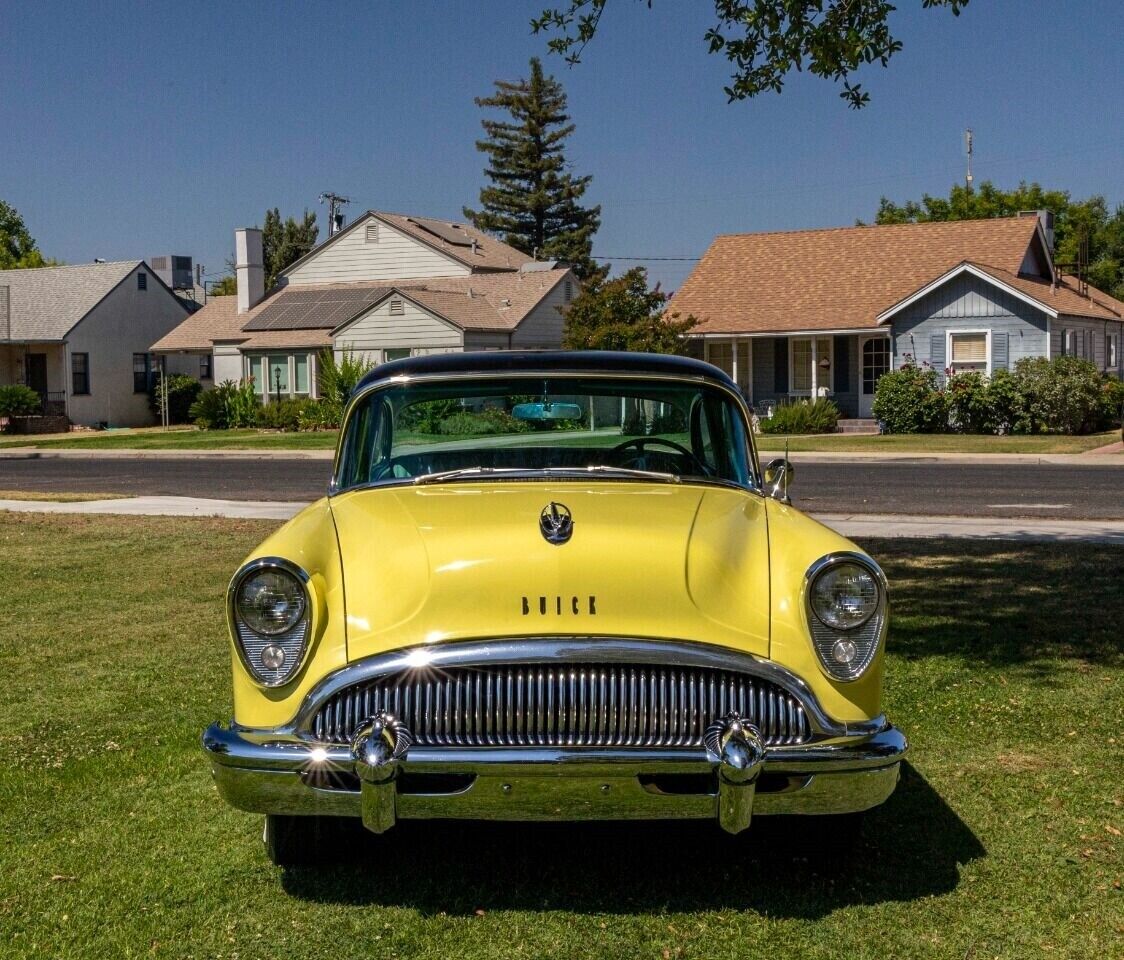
(546, 361)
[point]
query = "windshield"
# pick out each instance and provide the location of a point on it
(617, 428)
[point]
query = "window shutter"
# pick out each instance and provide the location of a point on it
(936, 354)
(842, 364)
(999, 359)
(780, 365)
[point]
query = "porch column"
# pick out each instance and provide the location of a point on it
(815, 371)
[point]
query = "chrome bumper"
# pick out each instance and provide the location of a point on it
(382, 779)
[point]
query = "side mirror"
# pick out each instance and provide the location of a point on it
(779, 473)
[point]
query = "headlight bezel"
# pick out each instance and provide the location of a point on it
(295, 640)
(867, 636)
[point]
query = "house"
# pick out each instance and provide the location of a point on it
(385, 287)
(827, 312)
(80, 336)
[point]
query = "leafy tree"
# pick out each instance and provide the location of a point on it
(765, 40)
(226, 287)
(1073, 220)
(623, 314)
(18, 249)
(531, 201)
(284, 243)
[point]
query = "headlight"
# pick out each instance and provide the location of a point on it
(270, 601)
(845, 596)
(268, 607)
(846, 603)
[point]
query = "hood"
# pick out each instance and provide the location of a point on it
(430, 564)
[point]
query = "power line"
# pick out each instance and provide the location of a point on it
(335, 218)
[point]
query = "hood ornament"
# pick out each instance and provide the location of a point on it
(556, 523)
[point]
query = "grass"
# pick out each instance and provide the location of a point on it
(57, 497)
(938, 443)
(1003, 838)
(249, 439)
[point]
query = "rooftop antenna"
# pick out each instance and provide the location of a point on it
(335, 217)
(968, 145)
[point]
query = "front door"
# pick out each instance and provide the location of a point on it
(875, 362)
(35, 365)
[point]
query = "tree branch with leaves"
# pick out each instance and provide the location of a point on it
(766, 40)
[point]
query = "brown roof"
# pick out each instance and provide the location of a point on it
(839, 278)
(499, 301)
(1064, 297)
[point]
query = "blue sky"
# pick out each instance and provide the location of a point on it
(134, 129)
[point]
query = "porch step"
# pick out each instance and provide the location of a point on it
(857, 426)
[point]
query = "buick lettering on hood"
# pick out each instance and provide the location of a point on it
(552, 586)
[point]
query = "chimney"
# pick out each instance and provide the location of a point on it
(248, 264)
(1047, 220)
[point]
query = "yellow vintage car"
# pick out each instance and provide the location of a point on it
(552, 586)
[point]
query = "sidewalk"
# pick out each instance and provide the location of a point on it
(856, 525)
(1093, 458)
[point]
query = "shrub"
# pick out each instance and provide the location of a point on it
(1110, 405)
(227, 406)
(803, 416)
(284, 414)
(909, 400)
(969, 403)
(1062, 395)
(183, 391)
(18, 401)
(1008, 406)
(485, 422)
(337, 379)
(315, 415)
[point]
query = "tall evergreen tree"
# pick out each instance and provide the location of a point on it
(531, 201)
(284, 243)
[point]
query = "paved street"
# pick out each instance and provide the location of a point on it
(1019, 489)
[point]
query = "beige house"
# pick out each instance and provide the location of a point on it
(80, 337)
(388, 286)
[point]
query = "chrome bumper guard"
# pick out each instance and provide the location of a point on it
(382, 778)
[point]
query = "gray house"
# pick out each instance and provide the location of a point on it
(79, 336)
(827, 312)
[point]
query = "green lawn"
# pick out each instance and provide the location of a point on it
(938, 443)
(190, 439)
(1003, 840)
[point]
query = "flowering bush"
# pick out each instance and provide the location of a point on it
(910, 400)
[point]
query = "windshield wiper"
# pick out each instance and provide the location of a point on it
(464, 472)
(616, 471)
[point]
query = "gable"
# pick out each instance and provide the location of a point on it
(965, 295)
(396, 322)
(381, 253)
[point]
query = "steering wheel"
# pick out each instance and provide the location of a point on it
(641, 442)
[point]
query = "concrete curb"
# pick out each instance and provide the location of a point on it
(857, 525)
(41, 453)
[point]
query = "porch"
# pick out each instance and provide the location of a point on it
(40, 366)
(843, 367)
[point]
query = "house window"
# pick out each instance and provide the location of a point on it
(722, 356)
(800, 378)
(372, 233)
(397, 307)
(277, 375)
(1111, 350)
(142, 281)
(968, 352)
(300, 373)
(397, 353)
(205, 367)
(79, 373)
(142, 372)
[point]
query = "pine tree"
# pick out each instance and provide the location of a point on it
(531, 202)
(285, 242)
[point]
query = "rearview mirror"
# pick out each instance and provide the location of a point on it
(546, 411)
(779, 473)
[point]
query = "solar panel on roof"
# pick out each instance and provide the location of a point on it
(310, 309)
(449, 232)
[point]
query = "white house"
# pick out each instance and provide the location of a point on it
(387, 286)
(80, 337)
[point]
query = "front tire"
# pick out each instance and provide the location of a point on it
(301, 841)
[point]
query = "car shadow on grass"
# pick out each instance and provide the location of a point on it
(911, 847)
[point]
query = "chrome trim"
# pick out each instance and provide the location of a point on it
(377, 750)
(756, 484)
(561, 650)
(824, 563)
(233, 621)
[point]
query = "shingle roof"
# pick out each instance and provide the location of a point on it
(838, 278)
(1064, 297)
(46, 303)
(499, 302)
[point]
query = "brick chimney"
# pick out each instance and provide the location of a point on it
(249, 267)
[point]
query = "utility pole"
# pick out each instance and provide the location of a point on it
(335, 218)
(968, 144)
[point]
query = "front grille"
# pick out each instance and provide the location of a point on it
(597, 705)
